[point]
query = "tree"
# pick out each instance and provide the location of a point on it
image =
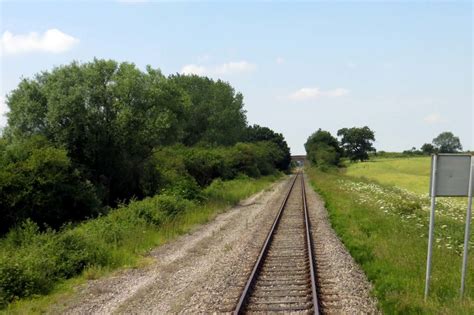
(357, 142)
(323, 149)
(257, 133)
(428, 148)
(108, 116)
(38, 181)
(215, 114)
(446, 142)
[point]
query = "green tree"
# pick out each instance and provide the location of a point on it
(257, 133)
(357, 142)
(322, 148)
(38, 181)
(215, 114)
(428, 148)
(446, 142)
(108, 116)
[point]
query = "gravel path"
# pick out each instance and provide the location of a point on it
(343, 286)
(205, 271)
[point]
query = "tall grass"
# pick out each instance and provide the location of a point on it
(385, 230)
(34, 263)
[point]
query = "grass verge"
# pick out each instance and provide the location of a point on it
(385, 229)
(47, 266)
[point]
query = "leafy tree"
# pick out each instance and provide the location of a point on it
(428, 148)
(323, 149)
(446, 142)
(257, 133)
(215, 114)
(108, 116)
(38, 181)
(357, 142)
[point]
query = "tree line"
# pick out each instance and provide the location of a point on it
(84, 137)
(323, 149)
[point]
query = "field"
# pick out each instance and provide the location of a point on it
(380, 210)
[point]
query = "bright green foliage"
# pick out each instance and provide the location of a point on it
(38, 181)
(446, 142)
(357, 142)
(323, 149)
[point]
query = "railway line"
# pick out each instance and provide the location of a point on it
(283, 278)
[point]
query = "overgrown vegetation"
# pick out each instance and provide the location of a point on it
(85, 137)
(134, 151)
(381, 214)
(32, 261)
(324, 150)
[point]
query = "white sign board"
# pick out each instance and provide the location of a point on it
(452, 175)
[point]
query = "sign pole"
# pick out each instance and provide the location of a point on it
(431, 229)
(467, 230)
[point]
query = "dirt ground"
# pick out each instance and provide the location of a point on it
(205, 270)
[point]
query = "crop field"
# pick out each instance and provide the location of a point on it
(380, 209)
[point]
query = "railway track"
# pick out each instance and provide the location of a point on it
(283, 278)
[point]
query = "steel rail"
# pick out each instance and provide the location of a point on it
(258, 264)
(309, 241)
(261, 258)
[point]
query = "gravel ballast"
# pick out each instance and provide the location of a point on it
(206, 270)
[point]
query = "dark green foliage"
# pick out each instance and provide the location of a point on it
(105, 126)
(215, 114)
(257, 133)
(428, 148)
(446, 142)
(357, 142)
(38, 181)
(323, 149)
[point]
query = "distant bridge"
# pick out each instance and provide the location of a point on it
(298, 159)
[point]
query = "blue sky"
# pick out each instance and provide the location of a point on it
(402, 68)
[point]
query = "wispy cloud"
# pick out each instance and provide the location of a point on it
(433, 118)
(280, 60)
(52, 41)
(311, 93)
(229, 68)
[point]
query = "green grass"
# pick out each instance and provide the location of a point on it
(123, 239)
(385, 230)
(409, 173)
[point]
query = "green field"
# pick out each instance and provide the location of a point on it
(408, 173)
(380, 210)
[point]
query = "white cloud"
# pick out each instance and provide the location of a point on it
(280, 60)
(308, 93)
(433, 118)
(194, 69)
(351, 65)
(51, 41)
(233, 67)
(336, 92)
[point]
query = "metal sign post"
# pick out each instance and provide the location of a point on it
(468, 227)
(452, 175)
(431, 230)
